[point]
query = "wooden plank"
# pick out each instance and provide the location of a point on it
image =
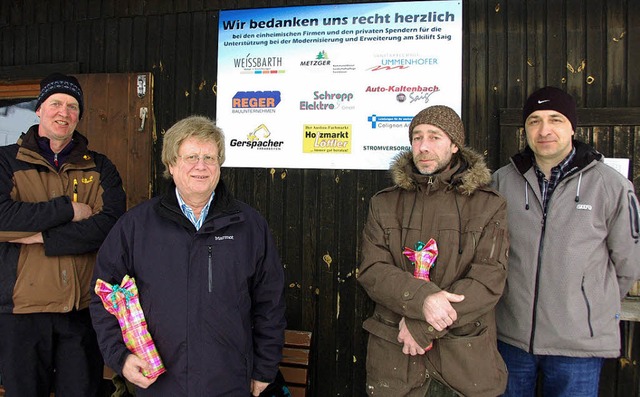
(297, 338)
(294, 375)
(575, 48)
(554, 36)
(616, 52)
(595, 44)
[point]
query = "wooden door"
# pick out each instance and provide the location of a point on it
(112, 123)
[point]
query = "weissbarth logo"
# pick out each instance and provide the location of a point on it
(259, 64)
(328, 100)
(258, 139)
(381, 122)
(255, 101)
(584, 207)
(321, 59)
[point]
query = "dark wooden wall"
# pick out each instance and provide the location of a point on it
(589, 47)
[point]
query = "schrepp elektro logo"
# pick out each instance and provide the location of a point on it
(325, 100)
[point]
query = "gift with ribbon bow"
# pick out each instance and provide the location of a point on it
(423, 257)
(123, 302)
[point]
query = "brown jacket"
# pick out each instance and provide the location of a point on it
(35, 197)
(467, 219)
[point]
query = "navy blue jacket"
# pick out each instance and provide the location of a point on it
(213, 299)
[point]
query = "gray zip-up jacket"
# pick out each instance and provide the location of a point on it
(568, 268)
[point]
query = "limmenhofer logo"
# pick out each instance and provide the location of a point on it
(255, 101)
(328, 100)
(402, 63)
(258, 139)
(389, 121)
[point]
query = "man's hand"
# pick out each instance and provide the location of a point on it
(257, 387)
(438, 311)
(33, 239)
(81, 211)
(132, 370)
(410, 345)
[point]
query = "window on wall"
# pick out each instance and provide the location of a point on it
(17, 110)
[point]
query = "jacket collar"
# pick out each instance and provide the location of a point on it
(467, 173)
(223, 203)
(79, 155)
(585, 155)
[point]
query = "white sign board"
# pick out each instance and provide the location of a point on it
(336, 86)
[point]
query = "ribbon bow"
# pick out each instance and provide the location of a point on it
(423, 257)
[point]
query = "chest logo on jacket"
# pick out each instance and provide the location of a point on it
(586, 207)
(220, 238)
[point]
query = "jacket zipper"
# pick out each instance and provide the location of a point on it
(210, 268)
(537, 284)
(586, 301)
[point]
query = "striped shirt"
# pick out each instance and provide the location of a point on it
(188, 212)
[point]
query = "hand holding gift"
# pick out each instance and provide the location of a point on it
(123, 302)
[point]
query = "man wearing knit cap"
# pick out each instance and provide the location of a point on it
(434, 261)
(58, 201)
(575, 253)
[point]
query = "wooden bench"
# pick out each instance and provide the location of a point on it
(294, 365)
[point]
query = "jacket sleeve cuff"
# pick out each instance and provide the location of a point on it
(412, 301)
(423, 332)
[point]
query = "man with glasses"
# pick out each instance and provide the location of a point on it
(210, 279)
(58, 201)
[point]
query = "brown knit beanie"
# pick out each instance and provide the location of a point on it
(444, 118)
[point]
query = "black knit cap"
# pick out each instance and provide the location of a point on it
(58, 83)
(551, 98)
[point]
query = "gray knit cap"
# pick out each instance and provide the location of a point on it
(444, 118)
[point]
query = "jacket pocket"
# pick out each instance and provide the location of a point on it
(470, 364)
(390, 372)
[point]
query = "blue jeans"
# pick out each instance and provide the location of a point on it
(561, 376)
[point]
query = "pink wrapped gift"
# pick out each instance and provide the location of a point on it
(423, 257)
(123, 302)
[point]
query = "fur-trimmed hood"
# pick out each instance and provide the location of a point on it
(468, 173)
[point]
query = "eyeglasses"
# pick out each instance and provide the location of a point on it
(194, 158)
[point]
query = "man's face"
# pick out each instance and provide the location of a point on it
(549, 135)
(197, 180)
(432, 148)
(59, 115)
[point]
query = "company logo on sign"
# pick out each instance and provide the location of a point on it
(325, 100)
(258, 139)
(259, 65)
(404, 93)
(255, 101)
(321, 59)
(401, 61)
(380, 122)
